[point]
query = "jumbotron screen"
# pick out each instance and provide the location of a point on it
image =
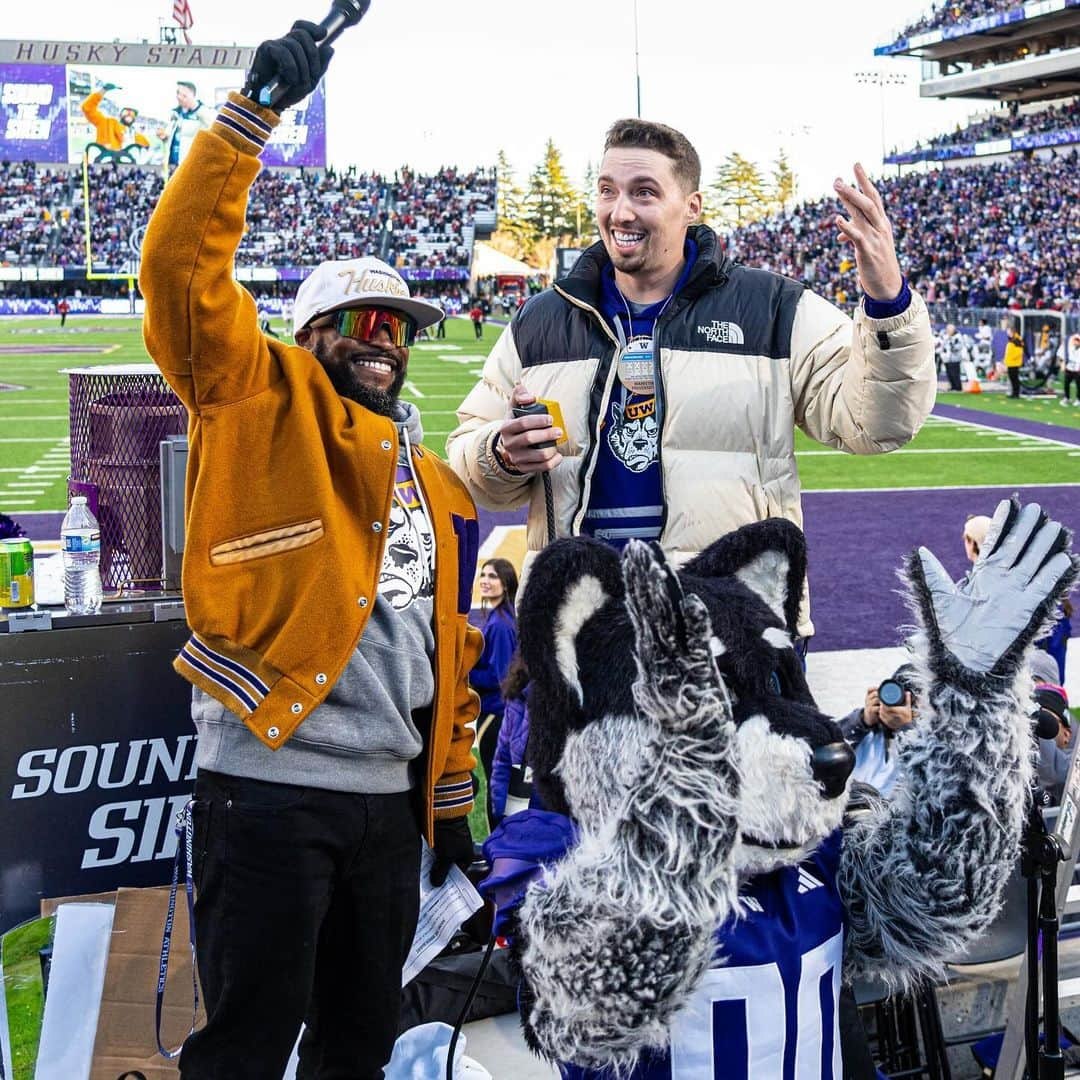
(51, 113)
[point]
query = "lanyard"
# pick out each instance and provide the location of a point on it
(637, 369)
(183, 851)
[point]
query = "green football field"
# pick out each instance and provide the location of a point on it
(34, 457)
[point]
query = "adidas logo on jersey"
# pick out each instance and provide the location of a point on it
(722, 333)
(807, 881)
(751, 903)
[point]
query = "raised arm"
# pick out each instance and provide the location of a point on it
(201, 327)
(922, 874)
(864, 387)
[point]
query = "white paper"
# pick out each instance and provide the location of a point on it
(76, 978)
(442, 911)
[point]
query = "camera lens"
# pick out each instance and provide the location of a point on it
(891, 692)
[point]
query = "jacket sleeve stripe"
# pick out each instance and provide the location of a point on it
(217, 677)
(452, 804)
(449, 790)
(247, 115)
(257, 686)
(232, 125)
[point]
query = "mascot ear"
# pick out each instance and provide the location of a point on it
(569, 582)
(768, 557)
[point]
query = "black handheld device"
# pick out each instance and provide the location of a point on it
(537, 408)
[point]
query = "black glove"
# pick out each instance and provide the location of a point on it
(453, 844)
(295, 61)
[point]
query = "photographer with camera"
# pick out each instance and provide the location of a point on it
(869, 730)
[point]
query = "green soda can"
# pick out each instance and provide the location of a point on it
(16, 574)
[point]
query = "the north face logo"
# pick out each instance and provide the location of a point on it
(722, 333)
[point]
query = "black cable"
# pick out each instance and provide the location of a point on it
(549, 506)
(468, 1004)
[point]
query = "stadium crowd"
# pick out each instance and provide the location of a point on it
(430, 213)
(294, 218)
(1002, 125)
(954, 13)
(1001, 235)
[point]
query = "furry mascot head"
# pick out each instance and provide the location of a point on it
(671, 720)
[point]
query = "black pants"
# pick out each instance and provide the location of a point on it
(952, 370)
(307, 904)
(488, 740)
(1072, 378)
(479, 328)
(441, 331)
(1014, 381)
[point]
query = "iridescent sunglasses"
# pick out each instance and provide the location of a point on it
(364, 323)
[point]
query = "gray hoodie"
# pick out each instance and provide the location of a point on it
(362, 737)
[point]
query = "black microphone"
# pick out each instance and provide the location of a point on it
(343, 14)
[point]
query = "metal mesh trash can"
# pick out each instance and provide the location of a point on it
(119, 415)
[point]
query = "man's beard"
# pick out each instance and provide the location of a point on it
(349, 385)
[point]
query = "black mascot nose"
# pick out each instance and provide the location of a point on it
(832, 765)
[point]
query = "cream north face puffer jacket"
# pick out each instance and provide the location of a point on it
(745, 357)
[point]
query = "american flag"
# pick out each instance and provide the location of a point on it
(181, 13)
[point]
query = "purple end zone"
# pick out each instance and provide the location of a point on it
(857, 541)
(1017, 424)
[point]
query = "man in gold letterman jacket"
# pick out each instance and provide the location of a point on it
(327, 578)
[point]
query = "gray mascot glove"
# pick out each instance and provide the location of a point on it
(998, 609)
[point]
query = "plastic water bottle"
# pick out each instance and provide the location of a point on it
(80, 538)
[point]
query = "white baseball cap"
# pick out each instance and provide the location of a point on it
(346, 283)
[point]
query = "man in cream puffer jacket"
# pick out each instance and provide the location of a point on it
(680, 376)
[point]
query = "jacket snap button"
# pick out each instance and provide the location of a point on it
(297, 707)
(376, 526)
(386, 444)
(320, 678)
(362, 601)
(272, 733)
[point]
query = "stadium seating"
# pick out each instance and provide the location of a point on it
(996, 235)
(294, 218)
(1002, 125)
(953, 13)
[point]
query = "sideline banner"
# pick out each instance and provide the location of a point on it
(97, 755)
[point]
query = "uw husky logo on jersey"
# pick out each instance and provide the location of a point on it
(807, 881)
(722, 333)
(634, 434)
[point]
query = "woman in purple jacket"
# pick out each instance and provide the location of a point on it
(498, 591)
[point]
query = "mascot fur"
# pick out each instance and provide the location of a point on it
(721, 855)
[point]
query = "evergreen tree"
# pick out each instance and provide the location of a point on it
(585, 225)
(785, 183)
(739, 193)
(514, 235)
(552, 200)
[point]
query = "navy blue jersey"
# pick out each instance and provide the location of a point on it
(768, 1009)
(626, 495)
